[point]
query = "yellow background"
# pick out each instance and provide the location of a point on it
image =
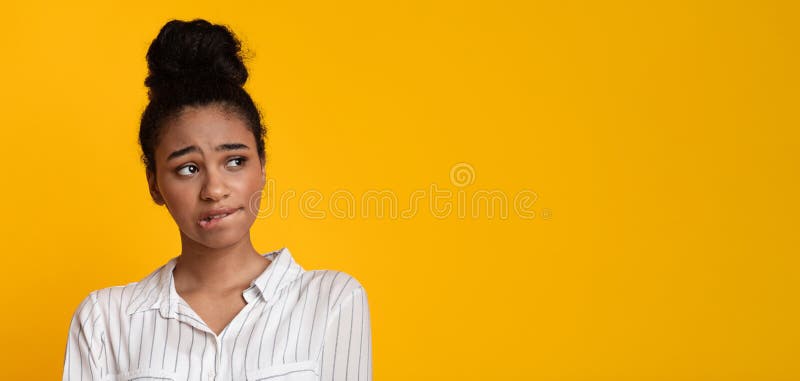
(661, 139)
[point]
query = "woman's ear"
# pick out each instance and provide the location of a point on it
(153, 185)
(263, 176)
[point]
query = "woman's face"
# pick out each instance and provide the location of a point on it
(208, 174)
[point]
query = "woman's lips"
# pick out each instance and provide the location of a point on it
(216, 219)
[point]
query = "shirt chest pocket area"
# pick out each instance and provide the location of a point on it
(144, 375)
(296, 371)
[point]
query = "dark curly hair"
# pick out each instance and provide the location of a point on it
(195, 63)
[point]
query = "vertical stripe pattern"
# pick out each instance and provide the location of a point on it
(297, 325)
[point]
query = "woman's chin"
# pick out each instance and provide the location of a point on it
(219, 244)
(220, 240)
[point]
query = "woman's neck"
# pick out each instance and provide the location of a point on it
(217, 270)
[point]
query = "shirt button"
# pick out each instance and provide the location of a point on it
(211, 375)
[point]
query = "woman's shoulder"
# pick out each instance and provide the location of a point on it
(337, 286)
(332, 279)
(102, 300)
(114, 299)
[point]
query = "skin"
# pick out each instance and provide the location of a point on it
(215, 265)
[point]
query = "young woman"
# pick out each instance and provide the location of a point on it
(220, 310)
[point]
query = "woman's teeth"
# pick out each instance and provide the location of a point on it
(217, 216)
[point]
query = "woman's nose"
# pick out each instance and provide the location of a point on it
(214, 188)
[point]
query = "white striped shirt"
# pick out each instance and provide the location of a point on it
(297, 325)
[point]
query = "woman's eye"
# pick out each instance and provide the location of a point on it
(187, 170)
(236, 162)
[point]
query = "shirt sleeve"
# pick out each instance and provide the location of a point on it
(347, 347)
(84, 343)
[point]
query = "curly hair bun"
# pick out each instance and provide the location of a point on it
(194, 51)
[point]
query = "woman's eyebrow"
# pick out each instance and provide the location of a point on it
(181, 152)
(231, 147)
(221, 147)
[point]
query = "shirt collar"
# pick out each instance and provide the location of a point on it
(157, 290)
